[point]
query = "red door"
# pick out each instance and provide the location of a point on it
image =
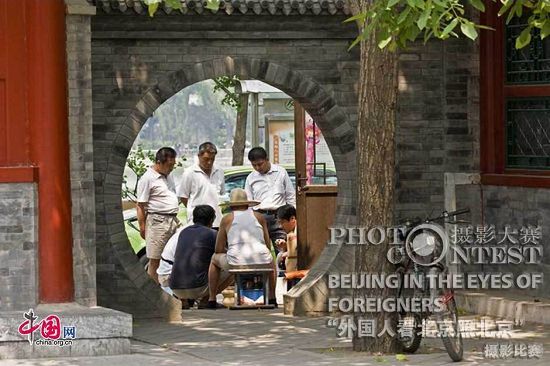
(14, 142)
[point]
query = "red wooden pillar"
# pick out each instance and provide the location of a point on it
(47, 106)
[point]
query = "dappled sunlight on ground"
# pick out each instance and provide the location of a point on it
(270, 334)
(268, 337)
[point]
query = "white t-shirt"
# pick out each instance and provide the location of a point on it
(201, 189)
(158, 191)
(273, 189)
(168, 254)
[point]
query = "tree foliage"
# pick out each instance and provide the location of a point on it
(227, 85)
(176, 4)
(398, 22)
(193, 115)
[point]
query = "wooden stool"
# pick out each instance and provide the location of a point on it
(240, 275)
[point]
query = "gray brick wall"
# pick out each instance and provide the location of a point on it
(81, 155)
(18, 246)
(438, 121)
(517, 207)
(305, 56)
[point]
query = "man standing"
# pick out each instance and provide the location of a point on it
(202, 183)
(157, 207)
(270, 185)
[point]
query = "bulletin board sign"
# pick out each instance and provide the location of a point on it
(280, 139)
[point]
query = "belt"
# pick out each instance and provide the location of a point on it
(163, 214)
(268, 212)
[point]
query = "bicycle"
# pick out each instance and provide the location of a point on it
(426, 246)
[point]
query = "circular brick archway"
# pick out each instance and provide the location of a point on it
(339, 133)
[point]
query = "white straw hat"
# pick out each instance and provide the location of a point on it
(238, 198)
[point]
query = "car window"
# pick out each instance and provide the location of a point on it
(319, 177)
(235, 181)
(331, 181)
(238, 180)
(292, 175)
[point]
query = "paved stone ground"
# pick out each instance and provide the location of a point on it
(243, 338)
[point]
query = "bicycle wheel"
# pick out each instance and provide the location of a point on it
(410, 340)
(448, 325)
(411, 334)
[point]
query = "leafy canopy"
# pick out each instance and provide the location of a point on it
(227, 85)
(153, 5)
(398, 22)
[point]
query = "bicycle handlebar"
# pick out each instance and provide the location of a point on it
(446, 214)
(417, 221)
(459, 212)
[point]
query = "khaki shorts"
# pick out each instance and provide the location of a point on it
(220, 261)
(192, 293)
(199, 292)
(158, 229)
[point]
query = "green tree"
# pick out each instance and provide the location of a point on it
(398, 22)
(228, 85)
(174, 123)
(384, 27)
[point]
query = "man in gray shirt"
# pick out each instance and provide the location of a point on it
(157, 207)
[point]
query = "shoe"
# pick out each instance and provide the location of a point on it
(184, 304)
(201, 304)
(187, 304)
(212, 305)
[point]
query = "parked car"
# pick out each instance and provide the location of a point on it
(235, 177)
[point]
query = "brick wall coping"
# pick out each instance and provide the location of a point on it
(257, 7)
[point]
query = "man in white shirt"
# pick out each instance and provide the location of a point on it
(203, 183)
(167, 258)
(167, 261)
(157, 207)
(270, 185)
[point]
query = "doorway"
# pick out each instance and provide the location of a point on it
(121, 281)
(316, 188)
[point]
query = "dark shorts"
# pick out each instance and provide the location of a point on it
(275, 230)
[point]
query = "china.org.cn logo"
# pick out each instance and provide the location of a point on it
(51, 330)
